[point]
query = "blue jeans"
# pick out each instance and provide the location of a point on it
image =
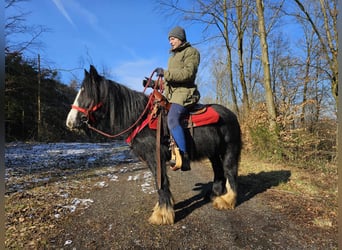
(174, 123)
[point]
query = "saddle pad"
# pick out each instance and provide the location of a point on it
(210, 116)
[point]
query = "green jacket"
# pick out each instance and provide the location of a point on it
(180, 76)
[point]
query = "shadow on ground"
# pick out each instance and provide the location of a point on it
(253, 184)
(248, 186)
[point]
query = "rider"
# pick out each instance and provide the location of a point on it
(180, 88)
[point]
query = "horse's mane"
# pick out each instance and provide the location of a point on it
(123, 105)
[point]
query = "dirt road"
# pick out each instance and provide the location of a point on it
(97, 196)
(118, 217)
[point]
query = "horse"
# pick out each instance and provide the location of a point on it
(106, 104)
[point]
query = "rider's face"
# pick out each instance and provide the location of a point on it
(175, 42)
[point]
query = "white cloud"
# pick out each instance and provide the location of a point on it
(63, 11)
(132, 73)
(87, 17)
(84, 13)
(73, 6)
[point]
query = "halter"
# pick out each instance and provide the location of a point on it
(88, 112)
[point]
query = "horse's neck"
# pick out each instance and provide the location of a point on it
(127, 105)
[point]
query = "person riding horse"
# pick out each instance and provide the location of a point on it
(180, 88)
(112, 109)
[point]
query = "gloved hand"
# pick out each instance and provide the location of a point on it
(151, 83)
(159, 71)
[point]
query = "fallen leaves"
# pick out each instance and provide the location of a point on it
(47, 183)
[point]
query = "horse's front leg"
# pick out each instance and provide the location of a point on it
(163, 212)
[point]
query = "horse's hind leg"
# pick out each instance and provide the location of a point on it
(226, 198)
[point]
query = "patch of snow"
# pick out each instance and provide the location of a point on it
(45, 155)
(113, 177)
(71, 208)
(147, 186)
(36, 180)
(64, 195)
(91, 159)
(76, 202)
(30, 164)
(84, 202)
(124, 170)
(133, 178)
(68, 242)
(101, 184)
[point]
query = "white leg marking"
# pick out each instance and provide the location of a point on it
(226, 201)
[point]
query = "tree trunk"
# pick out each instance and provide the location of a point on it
(229, 59)
(240, 31)
(266, 66)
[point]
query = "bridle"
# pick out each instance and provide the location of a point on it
(88, 112)
(90, 117)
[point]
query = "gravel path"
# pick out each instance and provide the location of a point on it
(98, 196)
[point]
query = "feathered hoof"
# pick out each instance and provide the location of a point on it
(225, 202)
(162, 215)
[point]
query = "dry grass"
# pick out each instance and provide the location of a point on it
(309, 196)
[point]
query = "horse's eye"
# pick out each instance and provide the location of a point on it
(84, 118)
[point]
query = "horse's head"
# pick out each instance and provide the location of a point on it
(88, 102)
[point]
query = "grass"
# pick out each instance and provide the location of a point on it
(315, 192)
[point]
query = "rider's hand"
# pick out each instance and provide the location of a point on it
(150, 82)
(159, 71)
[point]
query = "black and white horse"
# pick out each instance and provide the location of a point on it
(110, 106)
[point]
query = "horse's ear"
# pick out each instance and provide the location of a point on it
(93, 72)
(86, 73)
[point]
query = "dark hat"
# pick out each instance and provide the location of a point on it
(179, 33)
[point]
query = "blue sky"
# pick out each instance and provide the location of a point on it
(127, 39)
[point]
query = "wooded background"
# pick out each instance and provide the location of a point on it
(285, 97)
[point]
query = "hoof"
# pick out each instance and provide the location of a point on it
(225, 202)
(162, 215)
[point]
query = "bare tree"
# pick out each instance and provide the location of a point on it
(15, 24)
(266, 65)
(325, 29)
(252, 65)
(242, 13)
(222, 25)
(220, 77)
(311, 58)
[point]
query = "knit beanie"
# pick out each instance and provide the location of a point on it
(179, 33)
